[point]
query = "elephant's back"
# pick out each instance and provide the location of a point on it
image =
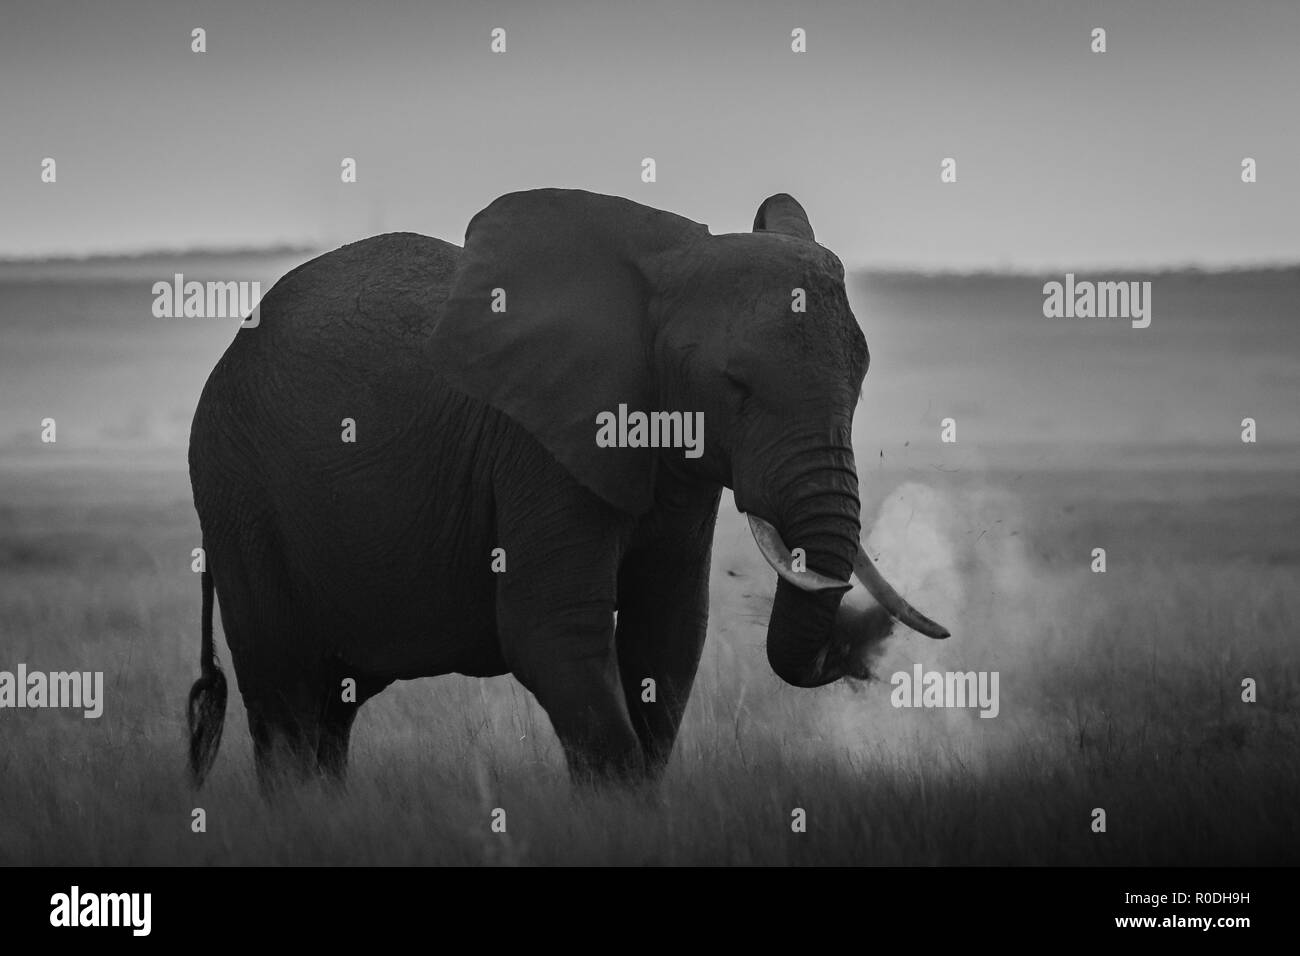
(337, 337)
(372, 294)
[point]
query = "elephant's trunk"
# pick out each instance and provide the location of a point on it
(818, 514)
(816, 635)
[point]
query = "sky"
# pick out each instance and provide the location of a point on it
(1065, 158)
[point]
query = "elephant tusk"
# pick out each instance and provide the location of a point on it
(778, 555)
(892, 601)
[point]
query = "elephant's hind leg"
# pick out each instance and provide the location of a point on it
(286, 731)
(272, 647)
(332, 744)
(340, 711)
(302, 730)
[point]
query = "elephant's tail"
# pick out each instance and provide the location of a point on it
(207, 707)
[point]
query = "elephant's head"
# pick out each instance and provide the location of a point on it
(568, 305)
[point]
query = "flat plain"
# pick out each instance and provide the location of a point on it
(1120, 691)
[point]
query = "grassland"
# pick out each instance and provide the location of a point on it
(1118, 690)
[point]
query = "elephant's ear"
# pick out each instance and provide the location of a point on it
(782, 213)
(547, 321)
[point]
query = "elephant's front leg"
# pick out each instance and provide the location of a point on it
(555, 618)
(559, 643)
(585, 705)
(663, 615)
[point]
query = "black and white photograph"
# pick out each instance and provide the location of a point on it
(591, 433)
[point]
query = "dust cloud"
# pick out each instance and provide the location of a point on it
(959, 556)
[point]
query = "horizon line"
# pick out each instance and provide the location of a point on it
(869, 267)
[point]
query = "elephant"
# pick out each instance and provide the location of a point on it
(397, 475)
